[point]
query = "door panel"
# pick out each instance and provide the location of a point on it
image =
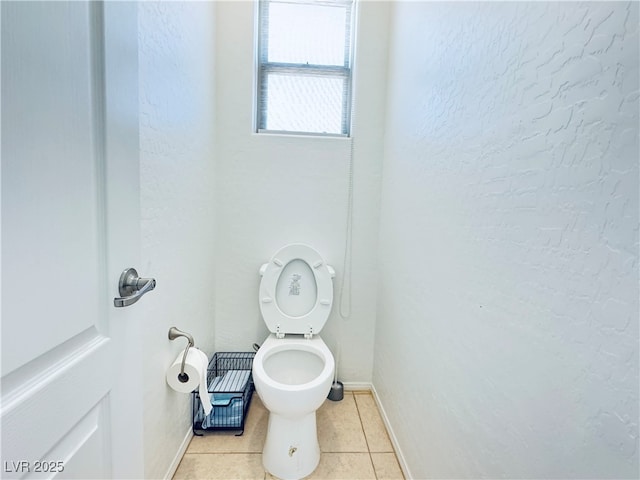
(83, 446)
(52, 215)
(43, 416)
(70, 221)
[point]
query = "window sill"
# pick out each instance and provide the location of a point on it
(285, 133)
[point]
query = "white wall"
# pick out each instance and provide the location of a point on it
(177, 200)
(273, 190)
(507, 332)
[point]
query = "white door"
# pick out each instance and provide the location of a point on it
(71, 402)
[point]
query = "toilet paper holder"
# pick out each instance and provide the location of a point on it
(176, 333)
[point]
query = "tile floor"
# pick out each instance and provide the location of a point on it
(353, 441)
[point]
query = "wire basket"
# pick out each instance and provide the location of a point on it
(230, 386)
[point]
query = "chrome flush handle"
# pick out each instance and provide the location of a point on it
(131, 287)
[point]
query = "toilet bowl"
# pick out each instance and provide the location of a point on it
(293, 368)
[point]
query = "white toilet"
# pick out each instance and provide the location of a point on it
(293, 369)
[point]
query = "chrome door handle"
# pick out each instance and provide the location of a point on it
(131, 287)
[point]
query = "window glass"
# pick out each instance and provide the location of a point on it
(304, 66)
(300, 103)
(302, 33)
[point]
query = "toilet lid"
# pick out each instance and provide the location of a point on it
(296, 290)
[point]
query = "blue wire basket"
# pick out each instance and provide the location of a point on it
(230, 387)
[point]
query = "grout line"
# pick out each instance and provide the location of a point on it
(379, 425)
(365, 438)
(223, 453)
(344, 451)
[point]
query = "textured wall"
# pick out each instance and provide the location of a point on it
(177, 201)
(275, 189)
(507, 332)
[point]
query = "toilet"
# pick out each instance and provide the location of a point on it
(293, 368)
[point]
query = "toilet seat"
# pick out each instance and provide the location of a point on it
(309, 318)
(273, 347)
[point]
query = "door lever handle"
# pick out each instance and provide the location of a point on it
(131, 287)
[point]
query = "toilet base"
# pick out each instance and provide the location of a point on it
(291, 450)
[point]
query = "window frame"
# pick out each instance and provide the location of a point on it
(264, 67)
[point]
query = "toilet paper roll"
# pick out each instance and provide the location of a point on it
(195, 369)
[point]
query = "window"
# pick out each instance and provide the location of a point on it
(304, 66)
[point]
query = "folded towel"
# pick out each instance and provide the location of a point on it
(227, 411)
(227, 407)
(232, 381)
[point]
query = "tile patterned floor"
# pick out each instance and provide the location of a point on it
(353, 441)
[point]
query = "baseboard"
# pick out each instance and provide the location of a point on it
(392, 435)
(176, 460)
(357, 386)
